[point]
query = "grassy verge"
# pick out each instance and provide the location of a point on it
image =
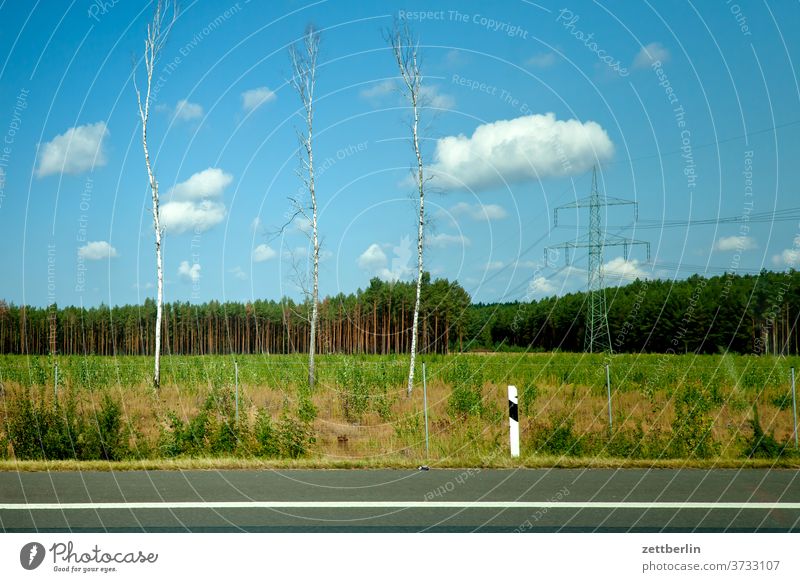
(668, 411)
(189, 464)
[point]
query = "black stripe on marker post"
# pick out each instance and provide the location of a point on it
(513, 411)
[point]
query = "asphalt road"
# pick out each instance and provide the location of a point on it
(546, 500)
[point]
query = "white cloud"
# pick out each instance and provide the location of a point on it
(186, 110)
(252, 99)
(374, 261)
(76, 150)
(255, 225)
(190, 206)
(479, 211)
(378, 90)
(518, 150)
(97, 250)
(263, 253)
(180, 216)
(431, 97)
(210, 183)
(443, 240)
(789, 257)
(189, 273)
(238, 273)
(735, 243)
(649, 54)
(541, 60)
(541, 286)
(494, 265)
(373, 258)
(619, 268)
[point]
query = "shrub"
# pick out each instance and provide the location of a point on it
(294, 437)
(213, 430)
(353, 391)
(466, 397)
(106, 435)
(691, 428)
(37, 429)
(763, 445)
(266, 436)
(558, 439)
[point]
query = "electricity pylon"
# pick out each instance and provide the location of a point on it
(597, 337)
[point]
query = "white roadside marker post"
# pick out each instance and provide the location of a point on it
(513, 420)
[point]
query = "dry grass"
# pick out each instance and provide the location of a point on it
(400, 463)
(398, 442)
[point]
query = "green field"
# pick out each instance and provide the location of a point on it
(719, 409)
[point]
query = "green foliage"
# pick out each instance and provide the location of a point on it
(353, 390)
(527, 395)
(213, 430)
(466, 398)
(763, 445)
(364, 387)
(782, 400)
(266, 436)
(557, 438)
(691, 428)
(109, 436)
(306, 411)
(37, 430)
(295, 437)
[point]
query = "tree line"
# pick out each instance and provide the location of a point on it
(736, 313)
(376, 320)
(746, 314)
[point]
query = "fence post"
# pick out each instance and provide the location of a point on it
(425, 406)
(513, 420)
(794, 409)
(236, 394)
(608, 390)
(55, 381)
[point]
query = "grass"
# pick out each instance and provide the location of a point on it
(530, 462)
(668, 411)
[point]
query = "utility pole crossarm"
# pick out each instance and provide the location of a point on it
(587, 203)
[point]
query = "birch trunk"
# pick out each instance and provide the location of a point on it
(305, 67)
(157, 35)
(405, 52)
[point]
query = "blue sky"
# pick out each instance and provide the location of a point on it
(690, 109)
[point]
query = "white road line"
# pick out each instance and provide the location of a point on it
(401, 505)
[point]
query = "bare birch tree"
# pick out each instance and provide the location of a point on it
(304, 68)
(157, 32)
(405, 48)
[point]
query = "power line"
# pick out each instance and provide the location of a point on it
(705, 145)
(786, 215)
